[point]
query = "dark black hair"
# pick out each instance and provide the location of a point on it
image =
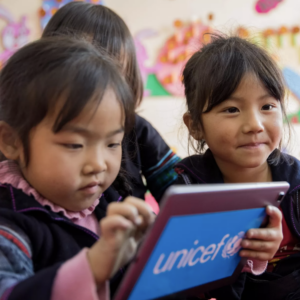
(44, 72)
(104, 28)
(214, 72)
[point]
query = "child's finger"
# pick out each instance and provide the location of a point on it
(265, 234)
(275, 216)
(126, 210)
(143, 208)
(263, 256)
(111, 224)
(257, 245)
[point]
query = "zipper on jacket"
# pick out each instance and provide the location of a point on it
(295, 200)
(185, 178)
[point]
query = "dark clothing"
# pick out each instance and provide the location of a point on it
(147, 154)
(51, 238)
(35, 242)
(283, 282)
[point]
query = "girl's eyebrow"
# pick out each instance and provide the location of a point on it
(85, 131)
(265, 96)
(76, 129)
(112, 133)
(236, 98)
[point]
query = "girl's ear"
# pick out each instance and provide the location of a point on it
(10, 144)
(195, 133)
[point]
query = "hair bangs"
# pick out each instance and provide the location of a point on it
(83, 85)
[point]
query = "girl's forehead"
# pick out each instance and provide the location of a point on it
(249, 80)
(102, 118)
(104, 104)
(101, 105)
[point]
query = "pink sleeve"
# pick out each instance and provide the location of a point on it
(74, 280)
(255, 267)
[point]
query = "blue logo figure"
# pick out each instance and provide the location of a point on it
(233, 245)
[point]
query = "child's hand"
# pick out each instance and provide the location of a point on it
(121, 230)
(263, 243)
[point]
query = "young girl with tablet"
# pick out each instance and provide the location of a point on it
(235, 113)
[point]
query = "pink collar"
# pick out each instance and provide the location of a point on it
(10, 173)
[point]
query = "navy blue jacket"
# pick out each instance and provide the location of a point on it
(51, 237)
(146, 154)
(284, 281)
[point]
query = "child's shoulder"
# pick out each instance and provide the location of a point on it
(287, 169)
(145, 141)
(145, 132)
(201, 168)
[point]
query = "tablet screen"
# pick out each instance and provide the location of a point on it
(193, 250)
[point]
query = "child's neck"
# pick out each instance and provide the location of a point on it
(240, 175)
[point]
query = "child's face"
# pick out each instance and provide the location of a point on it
(73, 167)
(243, 130)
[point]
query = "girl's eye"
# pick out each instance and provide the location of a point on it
(114, 145)
(73, 146)
(267, 107)
(231, 110)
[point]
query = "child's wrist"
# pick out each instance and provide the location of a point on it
(100, 262)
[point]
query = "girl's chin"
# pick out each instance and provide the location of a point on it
(253, 164)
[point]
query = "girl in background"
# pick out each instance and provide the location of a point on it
(64, 109)
(145, 153)
(235, 110)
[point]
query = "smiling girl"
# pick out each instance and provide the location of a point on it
(235, 112)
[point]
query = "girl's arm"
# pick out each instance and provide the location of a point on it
(76, 272)
(157, 159)
(17, 279)
(84, 276)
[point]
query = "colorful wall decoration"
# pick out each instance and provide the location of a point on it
(292, 79)
(279, 41)
(164, 78)
(265, 6)
(50, 7)
(142, 57)
(172, 57)
(14, 35)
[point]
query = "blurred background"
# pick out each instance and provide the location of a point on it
(167, 33)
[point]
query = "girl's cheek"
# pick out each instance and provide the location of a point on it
(277, 130)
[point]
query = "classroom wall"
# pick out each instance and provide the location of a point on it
(158, 16)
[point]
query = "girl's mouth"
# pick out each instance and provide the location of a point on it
(252, 146)
(91, 188)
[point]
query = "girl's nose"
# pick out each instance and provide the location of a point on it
(252, 123)
(95, 166)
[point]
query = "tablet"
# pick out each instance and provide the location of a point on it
(194, 244)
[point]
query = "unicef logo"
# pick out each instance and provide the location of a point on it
(233, 245)
(227, 247)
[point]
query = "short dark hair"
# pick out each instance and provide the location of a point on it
(104, 28)
(42, 73)
(214, 72)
